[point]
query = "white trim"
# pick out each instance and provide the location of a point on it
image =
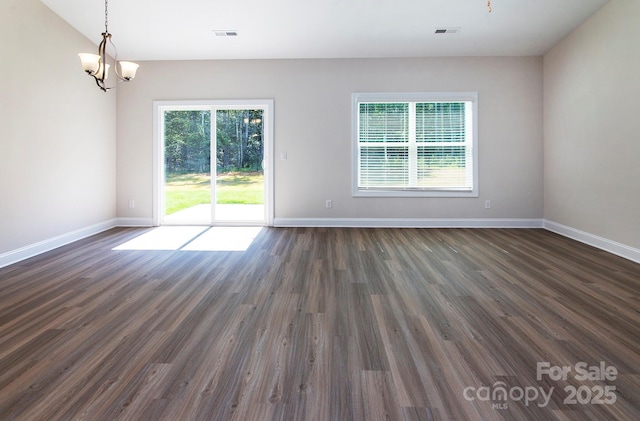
(135, 222)
(607, 245)
(472, 146)
(407, 223)
(158, 158)
(31, 250)
(602, 243)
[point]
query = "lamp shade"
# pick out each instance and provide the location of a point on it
(90, 63)
(106, 73)
(128, 70)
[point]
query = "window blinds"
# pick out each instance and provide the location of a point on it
(415, 146)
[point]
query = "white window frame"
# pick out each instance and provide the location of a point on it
(472, 97)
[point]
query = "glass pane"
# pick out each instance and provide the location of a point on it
(382, 166)
(440, 122)
(239, 171)
(187, 143)
(442, 167)
(385, 122)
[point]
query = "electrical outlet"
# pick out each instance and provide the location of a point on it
(487, 204)
(283, 156)
(132, 204)
(328, 204)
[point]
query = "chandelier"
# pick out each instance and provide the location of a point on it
(96, 65)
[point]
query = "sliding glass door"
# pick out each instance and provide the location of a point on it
(212, 164)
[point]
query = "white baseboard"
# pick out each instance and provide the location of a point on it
(610, 246)
(605, 244)
(134, 222)
(407, 223)
(35, 249)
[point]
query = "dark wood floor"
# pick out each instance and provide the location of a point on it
(320, 324)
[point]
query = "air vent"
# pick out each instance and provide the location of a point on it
(448, 31)
(221, 33)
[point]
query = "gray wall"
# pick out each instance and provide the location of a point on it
(57, 144)
(59, 171)
(313, 125)
(592, 126)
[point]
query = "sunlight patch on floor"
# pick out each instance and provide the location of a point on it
(194, 238)
(224, 239)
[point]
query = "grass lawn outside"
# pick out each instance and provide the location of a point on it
(183, 191)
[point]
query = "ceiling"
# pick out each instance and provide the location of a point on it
(184, 29)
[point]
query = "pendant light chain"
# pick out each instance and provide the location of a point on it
(106, 16)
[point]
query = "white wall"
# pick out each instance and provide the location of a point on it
(592, 126)
(313, 125)
(57, 131)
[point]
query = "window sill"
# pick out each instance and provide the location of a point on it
(414, 193)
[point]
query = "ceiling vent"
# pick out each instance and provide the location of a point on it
(448, 31)
(220, 33)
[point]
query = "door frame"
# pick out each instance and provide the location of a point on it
(160, 107)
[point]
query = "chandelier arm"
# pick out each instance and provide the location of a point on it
(115, 60)
(102, 52)
(101, 85)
